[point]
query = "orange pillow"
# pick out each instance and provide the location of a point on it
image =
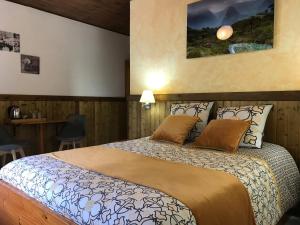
(175, 128)
(223, 135)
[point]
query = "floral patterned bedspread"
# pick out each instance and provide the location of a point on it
(269, 174)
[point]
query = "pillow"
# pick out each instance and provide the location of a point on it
(256, 114)
(222, 135)
(175, 128)
(200, 110)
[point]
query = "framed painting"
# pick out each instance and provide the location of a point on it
(30, 64)
(216, 27)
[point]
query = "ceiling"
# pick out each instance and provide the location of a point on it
(108, 14)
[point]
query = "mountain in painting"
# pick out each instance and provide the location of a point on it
(215, 13)
(232, 15)
(206, 18)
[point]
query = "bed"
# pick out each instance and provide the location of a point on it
(81, 196)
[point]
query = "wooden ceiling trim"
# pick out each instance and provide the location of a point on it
(112, 15)
(12, 97)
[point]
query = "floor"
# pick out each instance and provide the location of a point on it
(294, 221)
(292, 217)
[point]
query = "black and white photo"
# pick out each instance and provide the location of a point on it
(9, 41)
(30, 64)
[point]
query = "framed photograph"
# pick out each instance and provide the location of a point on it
(30, 64)
(9, 42)
(217, 27)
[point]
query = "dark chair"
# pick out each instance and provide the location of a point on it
(72, 132)
(8, 145)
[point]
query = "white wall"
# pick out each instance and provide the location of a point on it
(76, 59)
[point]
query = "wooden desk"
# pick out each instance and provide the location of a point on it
(41, 123)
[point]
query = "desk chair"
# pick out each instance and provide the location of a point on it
(73, 132)
(8, 145)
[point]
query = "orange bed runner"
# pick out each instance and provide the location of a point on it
(214, 197)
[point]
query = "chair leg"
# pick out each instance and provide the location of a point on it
(69, 145)
(61, 147)
(3, 160)
(21, 151)
(13, 153)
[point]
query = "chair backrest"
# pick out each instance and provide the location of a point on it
(5, 137)
(74, 127)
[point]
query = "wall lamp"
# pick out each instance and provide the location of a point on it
(147, 98)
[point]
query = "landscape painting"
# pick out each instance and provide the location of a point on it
(217, 27)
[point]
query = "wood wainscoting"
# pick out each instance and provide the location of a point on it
(106, 118)
(282, 128)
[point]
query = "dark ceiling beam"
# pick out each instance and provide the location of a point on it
(111, 15)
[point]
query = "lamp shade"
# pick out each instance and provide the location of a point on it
(147, 97)
(224, 33)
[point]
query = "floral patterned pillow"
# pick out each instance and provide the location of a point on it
(200, 110)
(257, 114)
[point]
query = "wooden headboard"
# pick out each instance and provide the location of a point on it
(282, 128)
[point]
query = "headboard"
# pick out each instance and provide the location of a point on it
(282, 128)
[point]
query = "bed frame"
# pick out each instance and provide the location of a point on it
(16, 208)
(283, 128)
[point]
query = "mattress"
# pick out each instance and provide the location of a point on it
(269, 174)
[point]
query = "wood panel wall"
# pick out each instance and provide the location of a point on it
(106, 118)
(283, 125)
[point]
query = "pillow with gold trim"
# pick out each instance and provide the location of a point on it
(256, 114)
(224, 135)
(201, 110)
(175, 128)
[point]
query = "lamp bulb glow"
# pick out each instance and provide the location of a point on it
(156, 80)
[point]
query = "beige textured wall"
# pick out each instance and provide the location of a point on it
(158, 54)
